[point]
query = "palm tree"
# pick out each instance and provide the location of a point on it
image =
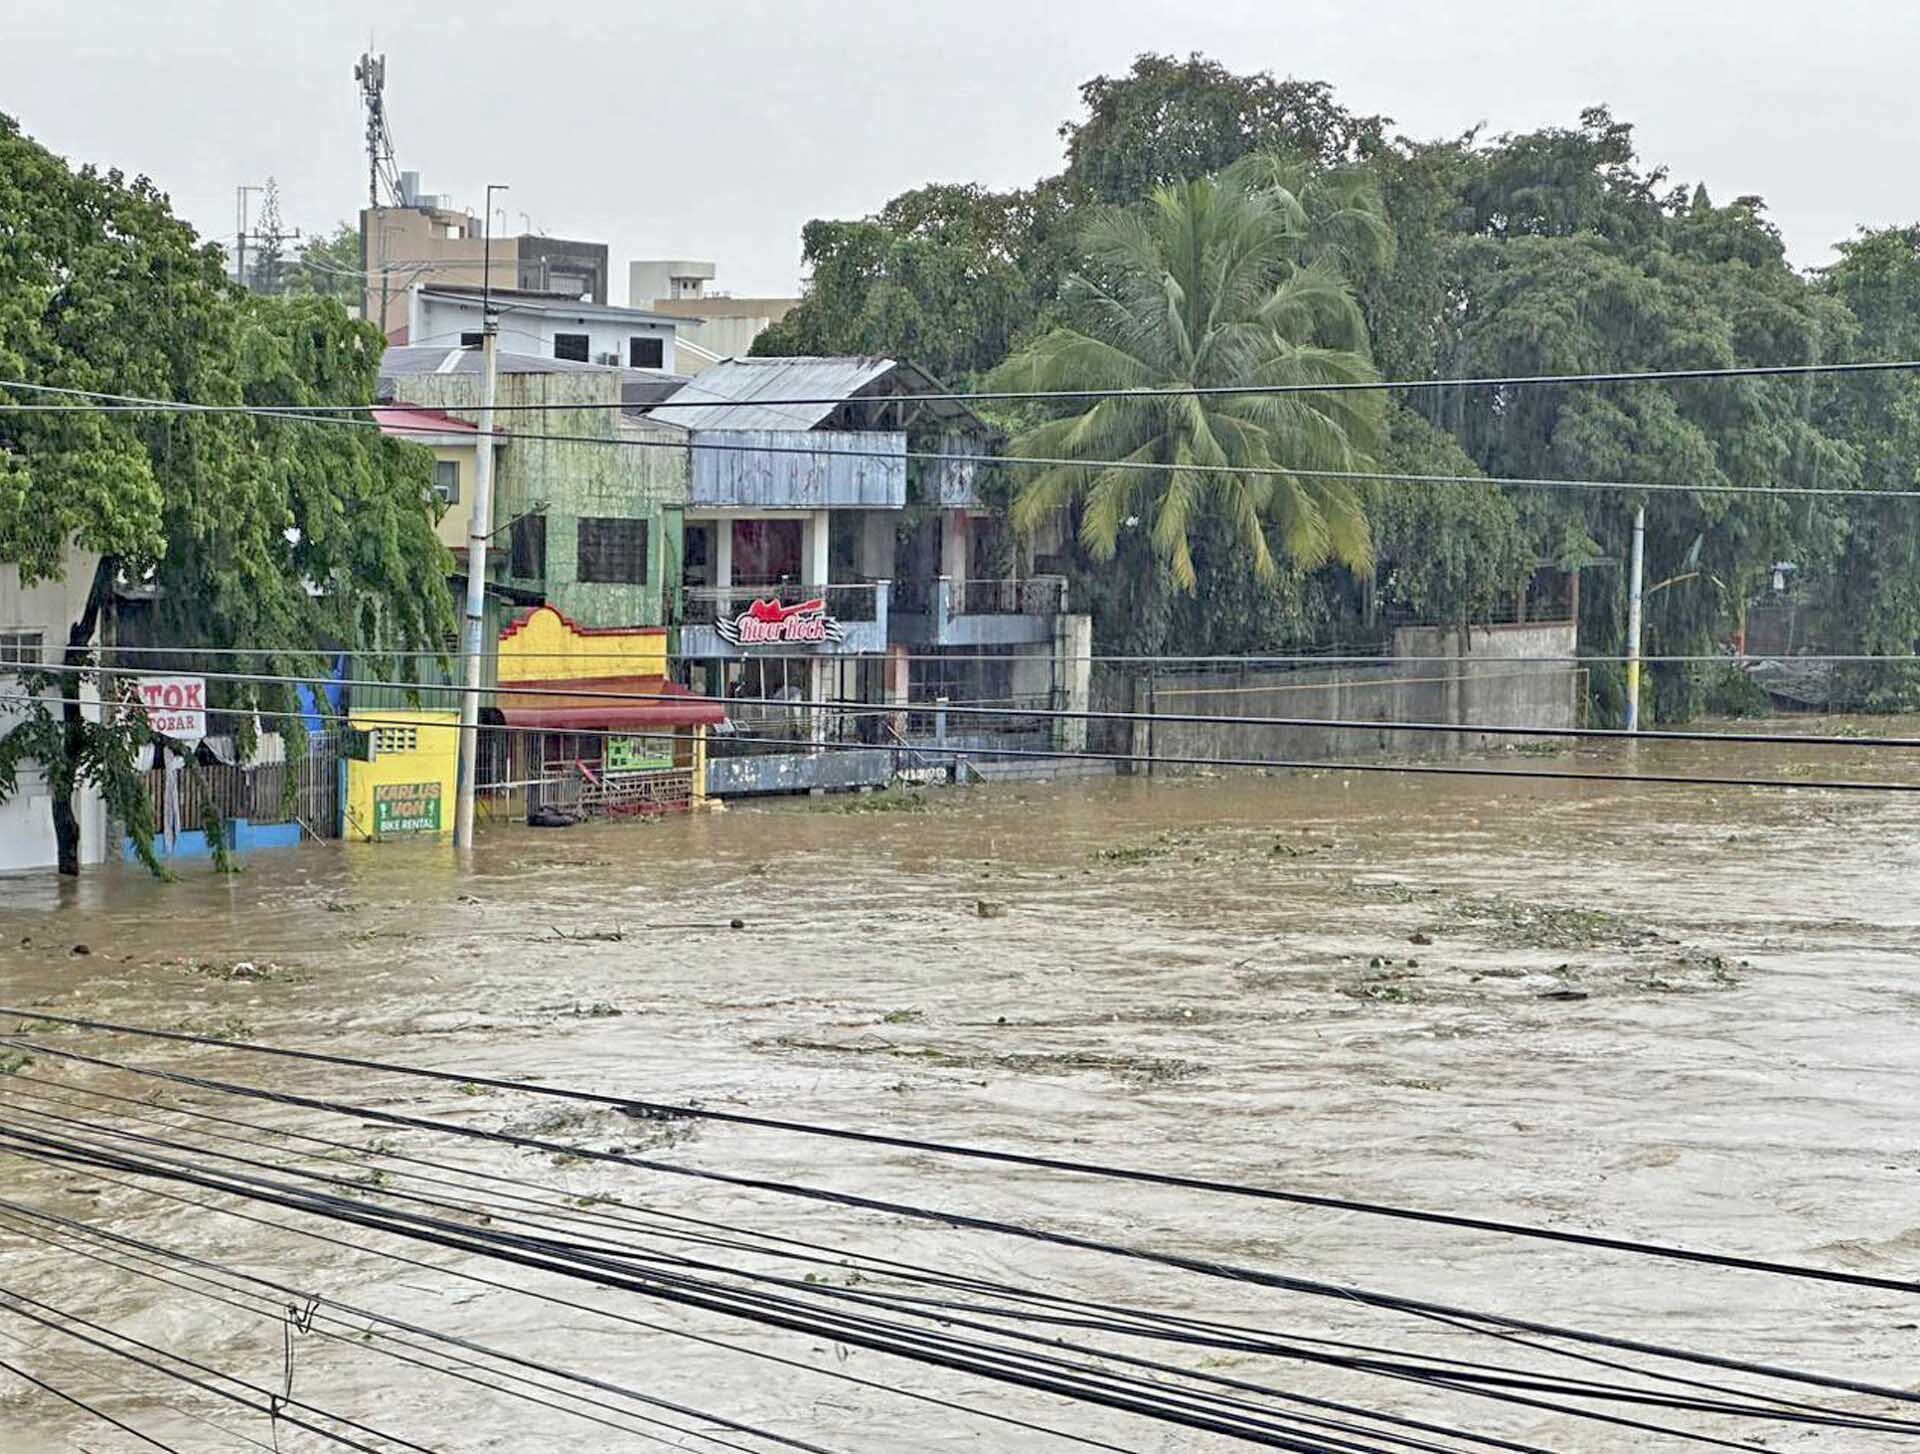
(1215, 282)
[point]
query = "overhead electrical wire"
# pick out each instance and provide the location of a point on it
(589, 695)
(683, 1111)
(273, 1405)
(1331, 657)
(831, 1372)
(87, 1408)
(888, 1268)
(883, 1337)
(296, 414)
(1565, 1390)
(138, 1395)
(1205, 1267)
(575, 1262)
(1188, 391)
(372, 718)
(357, 1339)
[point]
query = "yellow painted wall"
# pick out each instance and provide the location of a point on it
(452, 526)
(376, 805)
(545, 646)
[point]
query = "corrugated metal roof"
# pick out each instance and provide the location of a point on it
(733, 383)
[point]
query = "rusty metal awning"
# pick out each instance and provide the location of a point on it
(605, 703)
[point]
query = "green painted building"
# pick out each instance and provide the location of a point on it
(588, 498)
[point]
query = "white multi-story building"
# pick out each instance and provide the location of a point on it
(544, 326)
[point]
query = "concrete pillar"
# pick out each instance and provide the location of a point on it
(1073, 670)
(817, 691)
(953, 546)
(723, 553)
(814, 531)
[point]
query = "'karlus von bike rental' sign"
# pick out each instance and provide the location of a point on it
(176, 706)
(769, 623)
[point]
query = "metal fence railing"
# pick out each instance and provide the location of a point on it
(1034, 596)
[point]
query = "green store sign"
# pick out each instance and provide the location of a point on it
(406, 808)
(638, 754)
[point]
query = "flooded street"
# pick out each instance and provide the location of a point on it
(1684, 1015)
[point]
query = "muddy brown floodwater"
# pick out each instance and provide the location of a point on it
(1684, 1015)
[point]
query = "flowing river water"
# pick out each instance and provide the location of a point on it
(1686, 1015)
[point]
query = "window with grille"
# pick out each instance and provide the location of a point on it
(612, 551)
(527, 551)
(446, 480)
(571, 346)
(646, 353)
(20, 648)
(395, 739)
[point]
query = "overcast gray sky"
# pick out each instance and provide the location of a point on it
(715, 130)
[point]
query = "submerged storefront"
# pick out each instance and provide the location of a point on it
(585, 721)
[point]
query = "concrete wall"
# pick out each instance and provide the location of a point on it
(1482, 678)
(523, 329)
(452, 526)
(47, 608)
(406, 245)
(579, 474)
(413, 786)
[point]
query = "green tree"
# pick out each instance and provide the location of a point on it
(1867, 591)
(1209, 284)
(287, 539)
(329, 267)
(1578, 261)
(267, 263)
(1169, 119)
(934, 277)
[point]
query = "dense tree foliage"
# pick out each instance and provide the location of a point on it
(285, 538)
(1550, 251)
(1214, 282)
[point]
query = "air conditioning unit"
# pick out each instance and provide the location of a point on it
(607, 358)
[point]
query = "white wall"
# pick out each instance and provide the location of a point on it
(439, 322)
(26, 821)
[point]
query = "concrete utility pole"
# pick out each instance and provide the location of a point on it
(479, 526)
(1633, 617)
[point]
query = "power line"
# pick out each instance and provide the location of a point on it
(275, 1407)
(301, 413)
(86, 1407)
(850, 707)
(1215, 1413)
(277, 1315)
(674, 1110)
(1331, 657)
(1189, 391)
(890, 1338)
(1205, 1267)
(143, 1396)
(957, 753)
(933, 1277)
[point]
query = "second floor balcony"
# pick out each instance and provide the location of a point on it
(948, 612)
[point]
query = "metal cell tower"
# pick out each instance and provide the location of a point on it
(371, 72)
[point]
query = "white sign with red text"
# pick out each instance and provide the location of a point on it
(176, 706)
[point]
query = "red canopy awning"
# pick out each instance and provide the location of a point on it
(608, 704)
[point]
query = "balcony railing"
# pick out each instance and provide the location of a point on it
(1035, 596)
(709, 605)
